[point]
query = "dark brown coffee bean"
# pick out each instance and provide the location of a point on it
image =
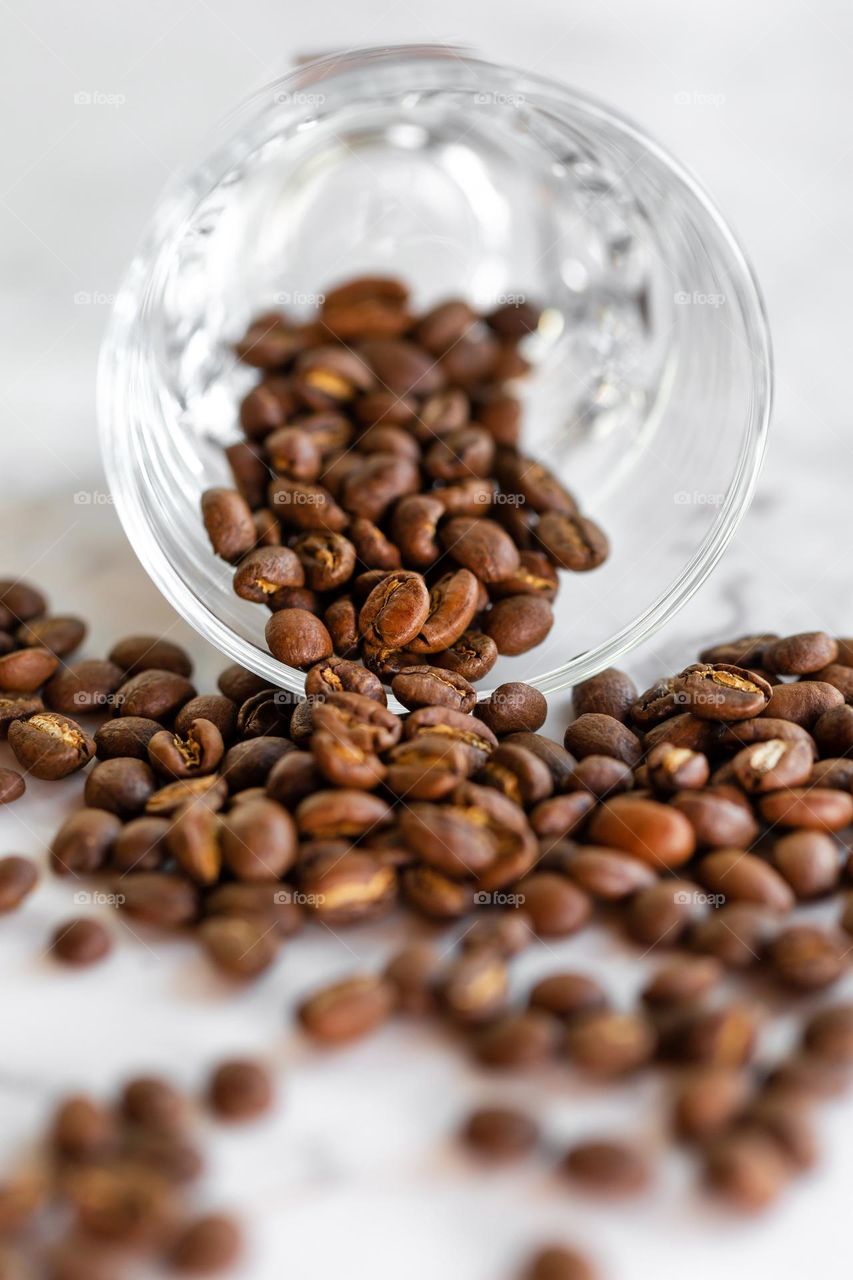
(683, 981)
(513, 708)
(258, 841)
(655, 833)
(610, 1044)
(83, 843)
(396, 610)
(572, 541)
(327, 815)
(803, 702)
(267, 570)
(475, 987)
(453, 839)
(83, 1129)
(121, 786)
(413, 973)
(367, 305)
(198, 752)
(413, 527)
(518, 773)
(302, 506)
(220, 711)
(238, 684)
(347, 1010)
(556, 1262)
(834, 773)
(240, 1089)
(608, 1167)
(210, 791)
(127, 736)
(508, 932)
(568, 995)
(193, 840)
(239, 947)
(16, 706)
(806, 957)
(786, 1122)
(518, 1041)
(363, 720)
(535, 576)
(338, 675)
(140, 845)
(609, 874)
(809, 862)
(444, 325)
(600, 776)
(435, 895)
(84, 688)
(481, 546)
(60, 635)
(596, 734)
(292, 778)
(736, 934)
(743, 877)
(81, 942)
(21, 600)
(799, 654)
(453, 601)
(610, 693)
(839, 676)
(159, 898)
(12, 786)
(297, 638)
(266, 902)
(674, 768)
(500, 1133)
(402, 367)
(560, 816)
(833, 732)
(746, 651)
(720, 817)
(769, 766)
(18, 878)
(713, 1038)
(228, 520)
(154, 695)
(690, 732)
(207, 1246)
(812, 808)
(747, 1169)
(348, 888)
(518, 623)
(556, 906)
(26, 670)
(720, 693)
(50, 746)
(708, 1102)
(662, 914)
(135, 654)
(829, 1034)
(430, 687)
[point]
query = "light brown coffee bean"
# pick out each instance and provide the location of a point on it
(653, 832)
(743, 877)
(608, 1167)
(806, 958)
(81, 942)
(799, 654)
(809, 861)
(240, 1089)
(18, 878)
(810, 808)
(500, 1133)
(50, 746)
(568, 995)
(518, 1041)
(610, 1044)
(347, 1010)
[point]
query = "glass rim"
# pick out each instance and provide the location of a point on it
(134, 297)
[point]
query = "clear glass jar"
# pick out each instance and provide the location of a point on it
(652, 383)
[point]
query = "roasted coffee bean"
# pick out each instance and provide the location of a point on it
(239, 948)
(413, 972)
(608, 1167)
(265, 901)
(159, 898)
(513, 708)
(672, 768)
(85, 687)
(653, 832)
(127, 736)
(430, 687)
(258, 841)
(60, 635)
(140, 845)
(837, 774)
(238, 684)
(833, 732)
(809, 861)
(49, 745)
(302, 506)
(769, 766)
(560, 816)
(720, 817)
(743, 877)
(17, 706)
(600, 776)
(556, 906)
(609, 1044)
(26, 670)
(210, 791)
(338, 675)
(720, 692)
(331, 814)
(81, 942)
(807, 1076)
(193, 840)
(600, 735)
(746, 651)
(206, 1246)
(83, 843)
(347, 1010)
(689, 731)
(481, 546)
(736, 934)
(568, 995)
(121, 786)
(747, 1169)
(220, 711)
(475, 987)
(572, 541)
(365, 721)
(452, 838)
(663, 913)
(558, 760)
(345, 764)
(812, 808)
(435, 895)
(348, 888)
(297, 638)
(12, 786)
(806, 958)
(556, 1262)
(829, 1034)
(500, 1133)
(21, 600)
(708, 1102)
(608, 874)
(839, 676)
(228, 520)
(154, 695)
(786, 1122)
(610, 693)
(18, 878)
(240, 1089)
(396, 610)
(799, 654)
(518, 623)
(535, 576)
(135, 654)
(518, 1041)
(453, 602)
(196, 753)
(265, 571)
(83, 1129)
(683, 981)
(518, 773)
(715, 1038)
(507, 932)
(803, 703)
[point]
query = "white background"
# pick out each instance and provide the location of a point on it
(357, 1173)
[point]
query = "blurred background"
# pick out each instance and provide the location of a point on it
(102, 105)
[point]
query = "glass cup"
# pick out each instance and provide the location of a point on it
(651, 384)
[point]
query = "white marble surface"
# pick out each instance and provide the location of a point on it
(356, 1172)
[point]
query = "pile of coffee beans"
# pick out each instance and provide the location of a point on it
(382, 506)
(116, 1179)
(703, 819)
